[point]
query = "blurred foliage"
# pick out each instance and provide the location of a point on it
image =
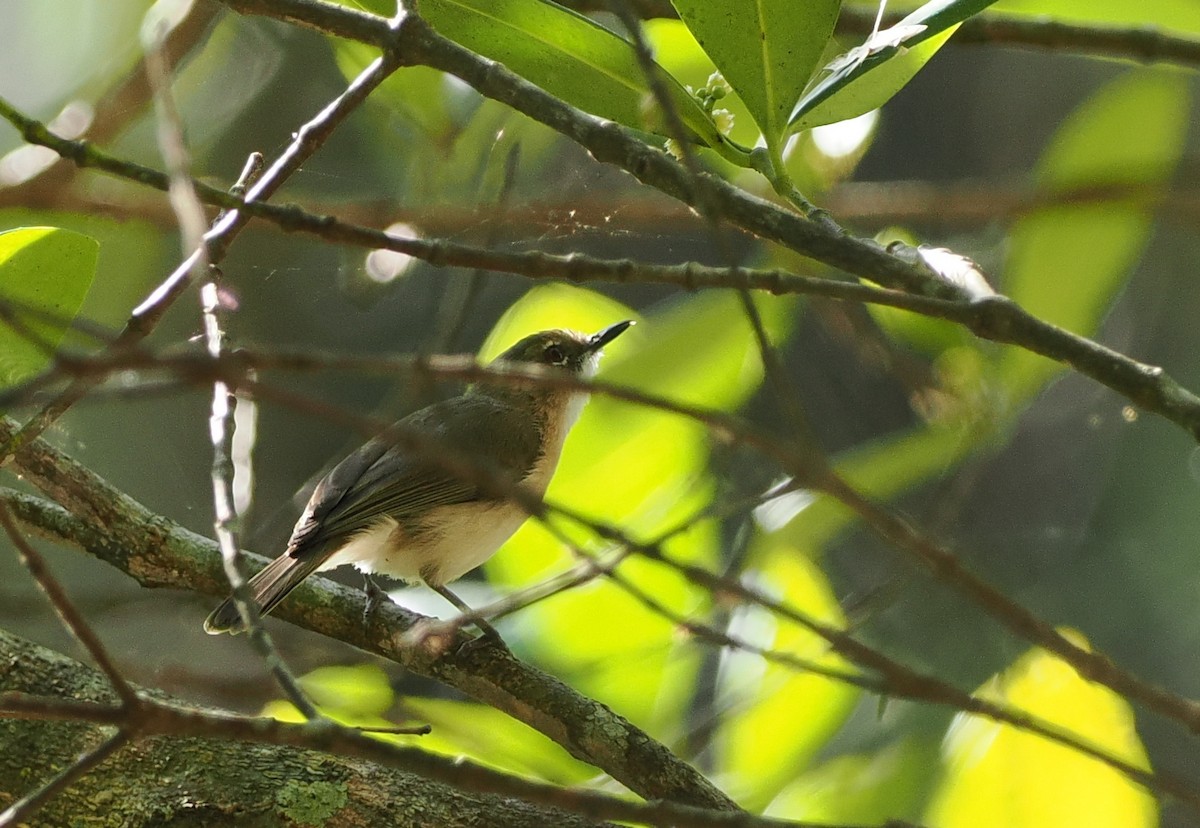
(1066, 263)
(793, 743)
(994, 775)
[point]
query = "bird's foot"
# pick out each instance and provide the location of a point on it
(438, 638)
(376, 595)
(488, 637)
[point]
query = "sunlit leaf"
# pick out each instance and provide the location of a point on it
(611, 645)
(995, 775)
(868, 75)
(45, 273)
(1066, 263)
(361, 690)
(134, 252)
(775, 717)
(359, 695)
(766, 50)
(493, 738)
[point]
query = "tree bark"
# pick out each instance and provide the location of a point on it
(201, 782)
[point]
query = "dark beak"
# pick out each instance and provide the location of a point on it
(601, 338)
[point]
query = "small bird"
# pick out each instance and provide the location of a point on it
(385, 511)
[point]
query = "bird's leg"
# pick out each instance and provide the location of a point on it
(487, 629)
(376, 595)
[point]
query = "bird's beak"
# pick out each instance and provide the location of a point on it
(601, 338)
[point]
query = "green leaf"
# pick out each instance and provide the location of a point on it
(610, 645)
(355, 692)
(903, 49)
(485, 735)
(45, 273)
(766, 50)
(762, 742)
(643, 469)
(996, 775)
(572, 58)
(1066, 263)
(358, 696)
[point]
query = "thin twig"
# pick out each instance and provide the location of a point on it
(1013, 616)
(191, 225)
(145, 317)
(995, 318)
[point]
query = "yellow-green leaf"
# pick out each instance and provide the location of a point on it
(995, 775)
(862, 789)
(852, 90)
(490, 737)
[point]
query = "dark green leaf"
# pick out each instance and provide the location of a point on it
(572, 58)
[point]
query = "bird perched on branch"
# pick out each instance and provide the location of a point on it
(390, 509)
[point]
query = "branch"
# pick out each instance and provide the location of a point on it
(168, 779)
(995, 318)
(157, 553)
(899, 681)
(146, 316)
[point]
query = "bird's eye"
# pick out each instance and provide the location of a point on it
(555, 356)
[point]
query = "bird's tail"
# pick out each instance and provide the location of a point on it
(270, 586)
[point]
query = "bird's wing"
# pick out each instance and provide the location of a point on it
(380, 479)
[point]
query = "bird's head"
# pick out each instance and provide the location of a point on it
(577, 353)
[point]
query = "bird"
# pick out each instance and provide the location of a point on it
(392, 511)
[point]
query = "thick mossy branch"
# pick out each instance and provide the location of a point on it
(158, 553)
(200, 782)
